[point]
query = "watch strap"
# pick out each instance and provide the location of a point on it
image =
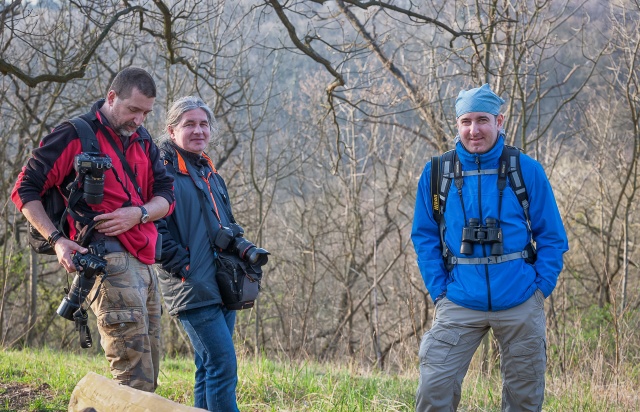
(144, 218)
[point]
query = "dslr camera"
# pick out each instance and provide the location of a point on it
(489, 233)
(92, 165)
(232, 239)
(71, 306)
(92, 265)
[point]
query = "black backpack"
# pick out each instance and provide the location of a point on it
(447, 168)
(53, 200)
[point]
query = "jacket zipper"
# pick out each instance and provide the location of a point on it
(480, 217)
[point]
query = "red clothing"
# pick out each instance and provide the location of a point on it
(53, 161)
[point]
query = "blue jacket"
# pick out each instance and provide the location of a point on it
(188, 278)
(497, 286)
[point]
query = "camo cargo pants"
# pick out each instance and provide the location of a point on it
(128, 309)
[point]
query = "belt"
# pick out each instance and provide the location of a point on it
(106, 246)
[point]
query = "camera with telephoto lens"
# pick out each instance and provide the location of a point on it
(489, 233)
(231, 239)
(82, 284)
(92, 165)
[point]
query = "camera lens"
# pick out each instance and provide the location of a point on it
(93, 189)
(71, 303)
(258, 256)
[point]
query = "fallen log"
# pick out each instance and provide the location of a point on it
(95, 393)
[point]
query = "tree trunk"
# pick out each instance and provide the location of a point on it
(97, 393)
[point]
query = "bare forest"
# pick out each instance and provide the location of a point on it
(329, 111)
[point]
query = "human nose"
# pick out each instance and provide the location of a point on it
(474, 128)
(198, 129)
(139, 118)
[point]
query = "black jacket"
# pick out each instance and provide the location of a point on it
(188, 278)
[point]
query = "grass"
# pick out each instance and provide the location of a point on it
(43, 380)
(47, 378)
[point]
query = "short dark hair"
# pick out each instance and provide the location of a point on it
(133, 77)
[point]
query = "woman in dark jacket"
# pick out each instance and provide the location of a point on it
(188, 279)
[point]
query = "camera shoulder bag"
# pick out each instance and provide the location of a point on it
(53, 200)
(238, 281)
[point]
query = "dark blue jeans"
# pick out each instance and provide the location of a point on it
(210, 329)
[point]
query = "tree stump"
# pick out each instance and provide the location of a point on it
(95, 393)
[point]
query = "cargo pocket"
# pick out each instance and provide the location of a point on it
(436, 346)
(117, 263)
(118, 323)
(529, 359)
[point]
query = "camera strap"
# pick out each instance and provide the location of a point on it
(199, 183)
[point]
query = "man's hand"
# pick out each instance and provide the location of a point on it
(119, 221)
(64, 250)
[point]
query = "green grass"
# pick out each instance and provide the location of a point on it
(48, 377)
(263, 385)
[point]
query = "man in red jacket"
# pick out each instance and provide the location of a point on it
(119, 228)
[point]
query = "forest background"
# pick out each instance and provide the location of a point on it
(329, 111)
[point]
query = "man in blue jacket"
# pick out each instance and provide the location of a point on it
(471, 291)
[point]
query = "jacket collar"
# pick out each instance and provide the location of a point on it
(489, 158)
(182, 156)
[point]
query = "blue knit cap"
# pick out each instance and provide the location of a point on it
(480, 99)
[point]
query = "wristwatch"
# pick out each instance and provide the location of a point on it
(145, 215)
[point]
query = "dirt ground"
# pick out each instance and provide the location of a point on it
(16, 397)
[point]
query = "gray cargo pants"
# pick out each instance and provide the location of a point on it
(447, 348)
(128, 309)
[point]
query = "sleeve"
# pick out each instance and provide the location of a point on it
(162, 181)
(547, 227)
(48, 165)
(426, 239)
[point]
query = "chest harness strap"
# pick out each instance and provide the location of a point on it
(446, 168)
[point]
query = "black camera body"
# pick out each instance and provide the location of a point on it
(92, 165)
(489, 233)
(231, 239)
(92, 265)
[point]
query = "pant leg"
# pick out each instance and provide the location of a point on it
(210, 330)
(200, 386)
(521, 334)
(154, 316)
(445, 353)
(128, 334)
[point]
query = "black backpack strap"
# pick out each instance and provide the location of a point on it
(435, 188)
(441, 176)
(511, 156)
(86, 134)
